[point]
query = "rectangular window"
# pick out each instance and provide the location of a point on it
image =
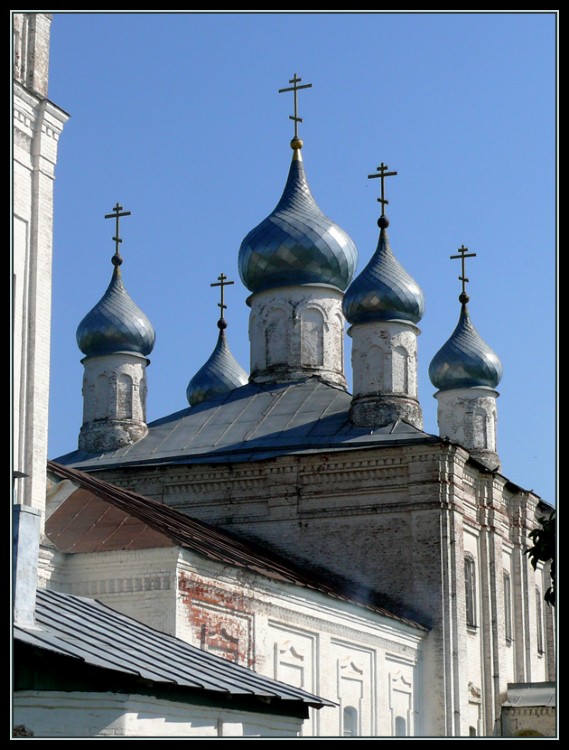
(507, 607)
(470, 589)
(539, 621)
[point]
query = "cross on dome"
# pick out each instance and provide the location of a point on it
(463, 254)
(222, 283)
(382, 174)
(296, 142)
(117, 213)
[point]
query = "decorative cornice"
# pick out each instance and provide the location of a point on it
(132, 584)
(341, 634)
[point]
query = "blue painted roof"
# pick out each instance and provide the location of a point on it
(296, 244)
(465, 360)
(87, 630)
(115, 324)
(383, 290)
(220, 374)
(251, 423)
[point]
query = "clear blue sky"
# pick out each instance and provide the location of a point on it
(177, 118)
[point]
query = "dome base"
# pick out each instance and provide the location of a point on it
(380, 411)
(287, 374)
(110, 435)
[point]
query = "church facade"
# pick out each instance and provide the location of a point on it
(348, 485)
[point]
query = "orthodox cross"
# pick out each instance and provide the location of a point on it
(295, 88)
(383, 173)
(463, 254)
(222, 283)
(117, 213)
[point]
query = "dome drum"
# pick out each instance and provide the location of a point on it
(379, 410)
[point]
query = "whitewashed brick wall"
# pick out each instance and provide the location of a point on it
(81, 715)
(37, 124)
(139, 583)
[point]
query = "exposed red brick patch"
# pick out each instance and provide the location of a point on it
(221, 619)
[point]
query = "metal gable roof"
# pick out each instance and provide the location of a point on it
(254, 422)
(87, 630)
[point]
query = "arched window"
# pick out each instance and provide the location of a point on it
(507, 607)
(470, 591)
(277, 337)
(375, 372)
(350, 721)
(400, 727)
(312, 341)
(480, 428)
(124, 396)
(102, 397)
(472, 731)
(400, 365)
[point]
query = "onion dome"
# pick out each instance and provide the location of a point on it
(220, 374)
(296, 244)
(116, 323)
(466, 360)
(383, 290)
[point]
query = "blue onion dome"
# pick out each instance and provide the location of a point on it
(383, 290)
(466, 360)
(296, 244)
(220, 374)
(116, 323)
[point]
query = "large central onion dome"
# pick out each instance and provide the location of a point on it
(116, 323)
(296, 244)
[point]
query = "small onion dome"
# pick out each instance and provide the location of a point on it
(296, 244)
(116, 323)
(466, 360)
(220, 374)
(383, 290)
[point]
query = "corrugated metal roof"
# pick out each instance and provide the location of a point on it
(68, 527)
(87, 630)
(253, 423)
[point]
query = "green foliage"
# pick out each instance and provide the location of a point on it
(543, 550)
